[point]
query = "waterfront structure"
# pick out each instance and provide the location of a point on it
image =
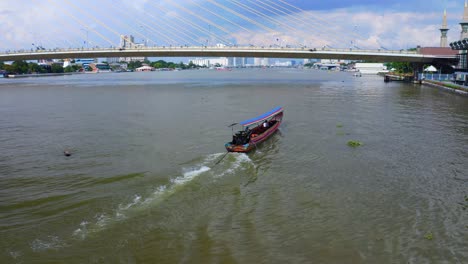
(371, 68)
(145, 68)
(100, 67)
(462, 45)
(85, 62)
(464, 23)
(443, 31)
(222, 61)
(201, 62)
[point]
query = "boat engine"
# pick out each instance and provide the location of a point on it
(240, 138)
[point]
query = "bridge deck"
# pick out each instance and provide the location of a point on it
(258, 52)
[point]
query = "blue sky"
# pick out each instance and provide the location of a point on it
(363, 24)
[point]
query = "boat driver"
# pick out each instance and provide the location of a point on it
(265, 124)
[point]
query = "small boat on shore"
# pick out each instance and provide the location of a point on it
(255, 131)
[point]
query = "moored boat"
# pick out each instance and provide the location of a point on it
(255, 131)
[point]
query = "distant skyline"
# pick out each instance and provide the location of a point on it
(339, 24)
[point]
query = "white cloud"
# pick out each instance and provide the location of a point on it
(343, 29)
(52, 24)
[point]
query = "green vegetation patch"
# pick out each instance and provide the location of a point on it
(429, 236)
(354, 143)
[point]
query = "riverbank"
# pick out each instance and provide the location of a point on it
(40, 75)
(446, 86)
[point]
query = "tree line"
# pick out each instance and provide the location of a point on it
(161, 64)
(23, 67)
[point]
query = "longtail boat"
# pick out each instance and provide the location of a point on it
(255, 131)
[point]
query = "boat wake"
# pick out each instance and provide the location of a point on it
(206, 168)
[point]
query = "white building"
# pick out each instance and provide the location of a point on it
(282, 63)
(333, 61)
(371, 68)
(236, 62)
(223, 61)
(261, 62)
(128, 42)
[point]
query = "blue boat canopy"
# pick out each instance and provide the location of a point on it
(262, 117)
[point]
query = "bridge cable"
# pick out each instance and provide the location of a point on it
(167, 38)
(79, 22)
(200, 17)
(164, 28)
(201, 29)
(303, 22)
(222, 17)
(174, 28)
(114, 21)
(95, 19)
(241, 16)
(279, 12)
(276, 21)
(318, 19)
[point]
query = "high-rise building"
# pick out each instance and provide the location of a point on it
(261, 62)
(128, 42)
(236, 62)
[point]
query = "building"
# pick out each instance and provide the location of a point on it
(236, 62)
(85, 62)
(370, 68)
(223, 61)
(461, 46)
(261, 62)
(128, 42)
(201, 62)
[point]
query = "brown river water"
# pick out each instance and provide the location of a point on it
(143, 186)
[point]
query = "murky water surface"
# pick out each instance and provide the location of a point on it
(142, 185)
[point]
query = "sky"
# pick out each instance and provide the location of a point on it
(362, 24)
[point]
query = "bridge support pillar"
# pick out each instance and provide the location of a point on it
(417, 69)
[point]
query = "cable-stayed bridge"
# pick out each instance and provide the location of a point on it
(258, 52)
(194, 28)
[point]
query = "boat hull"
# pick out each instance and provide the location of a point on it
(254, 141)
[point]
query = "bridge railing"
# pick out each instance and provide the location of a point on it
(436, 76)
(231, 47)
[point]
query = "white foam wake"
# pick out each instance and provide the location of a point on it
(123, 211)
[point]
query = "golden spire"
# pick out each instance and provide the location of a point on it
(465, 12)
(444, 21)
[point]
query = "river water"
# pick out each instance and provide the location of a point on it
(143, 186)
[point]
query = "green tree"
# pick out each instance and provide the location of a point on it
(56, 68)
(2, 66)
(19, 67)
(400, 67)
(134, 64)
(191, 65)
(69, 68)
(182, 65)
(35, 68)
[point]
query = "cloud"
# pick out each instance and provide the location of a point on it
(57, 23)
(343, 29)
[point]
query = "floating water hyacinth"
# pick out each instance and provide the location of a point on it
(354, 143)
(429, 236)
